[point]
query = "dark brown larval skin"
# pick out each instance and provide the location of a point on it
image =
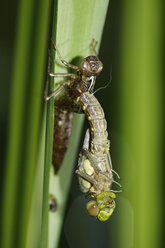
(62, 132)
(66, 103)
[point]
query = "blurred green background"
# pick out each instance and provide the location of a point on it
(132, 51)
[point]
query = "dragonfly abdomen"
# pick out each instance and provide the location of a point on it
(97, 122)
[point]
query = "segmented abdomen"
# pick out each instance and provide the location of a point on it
(62, 132)
(97, 122)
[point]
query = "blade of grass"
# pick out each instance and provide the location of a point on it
(34, 227)
(28, 74)
(76, 24)
(140, 117)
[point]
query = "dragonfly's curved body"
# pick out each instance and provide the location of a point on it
(95, 167)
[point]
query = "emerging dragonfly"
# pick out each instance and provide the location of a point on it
(95, 167)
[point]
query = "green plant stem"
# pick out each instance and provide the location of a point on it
(140, 124)
(25, 114)
(76, 23)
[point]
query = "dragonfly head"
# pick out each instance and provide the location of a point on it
(103, 205)
(91, 66)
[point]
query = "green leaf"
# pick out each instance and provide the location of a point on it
(139, 77)
(75, 24)
(28, 179)
(25, 116)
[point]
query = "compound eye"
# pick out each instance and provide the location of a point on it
(92, 208)
(85, 66)
(100, 66)
(105, 213)
(96, 67)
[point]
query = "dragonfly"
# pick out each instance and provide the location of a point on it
(94, 167)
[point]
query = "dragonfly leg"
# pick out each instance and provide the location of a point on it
(115, 173)
(47, 80)
(117, 183)
(116, 191)
(86, 177)
(63, 85)
(93, 46)
(64, 61)
(73, 76)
